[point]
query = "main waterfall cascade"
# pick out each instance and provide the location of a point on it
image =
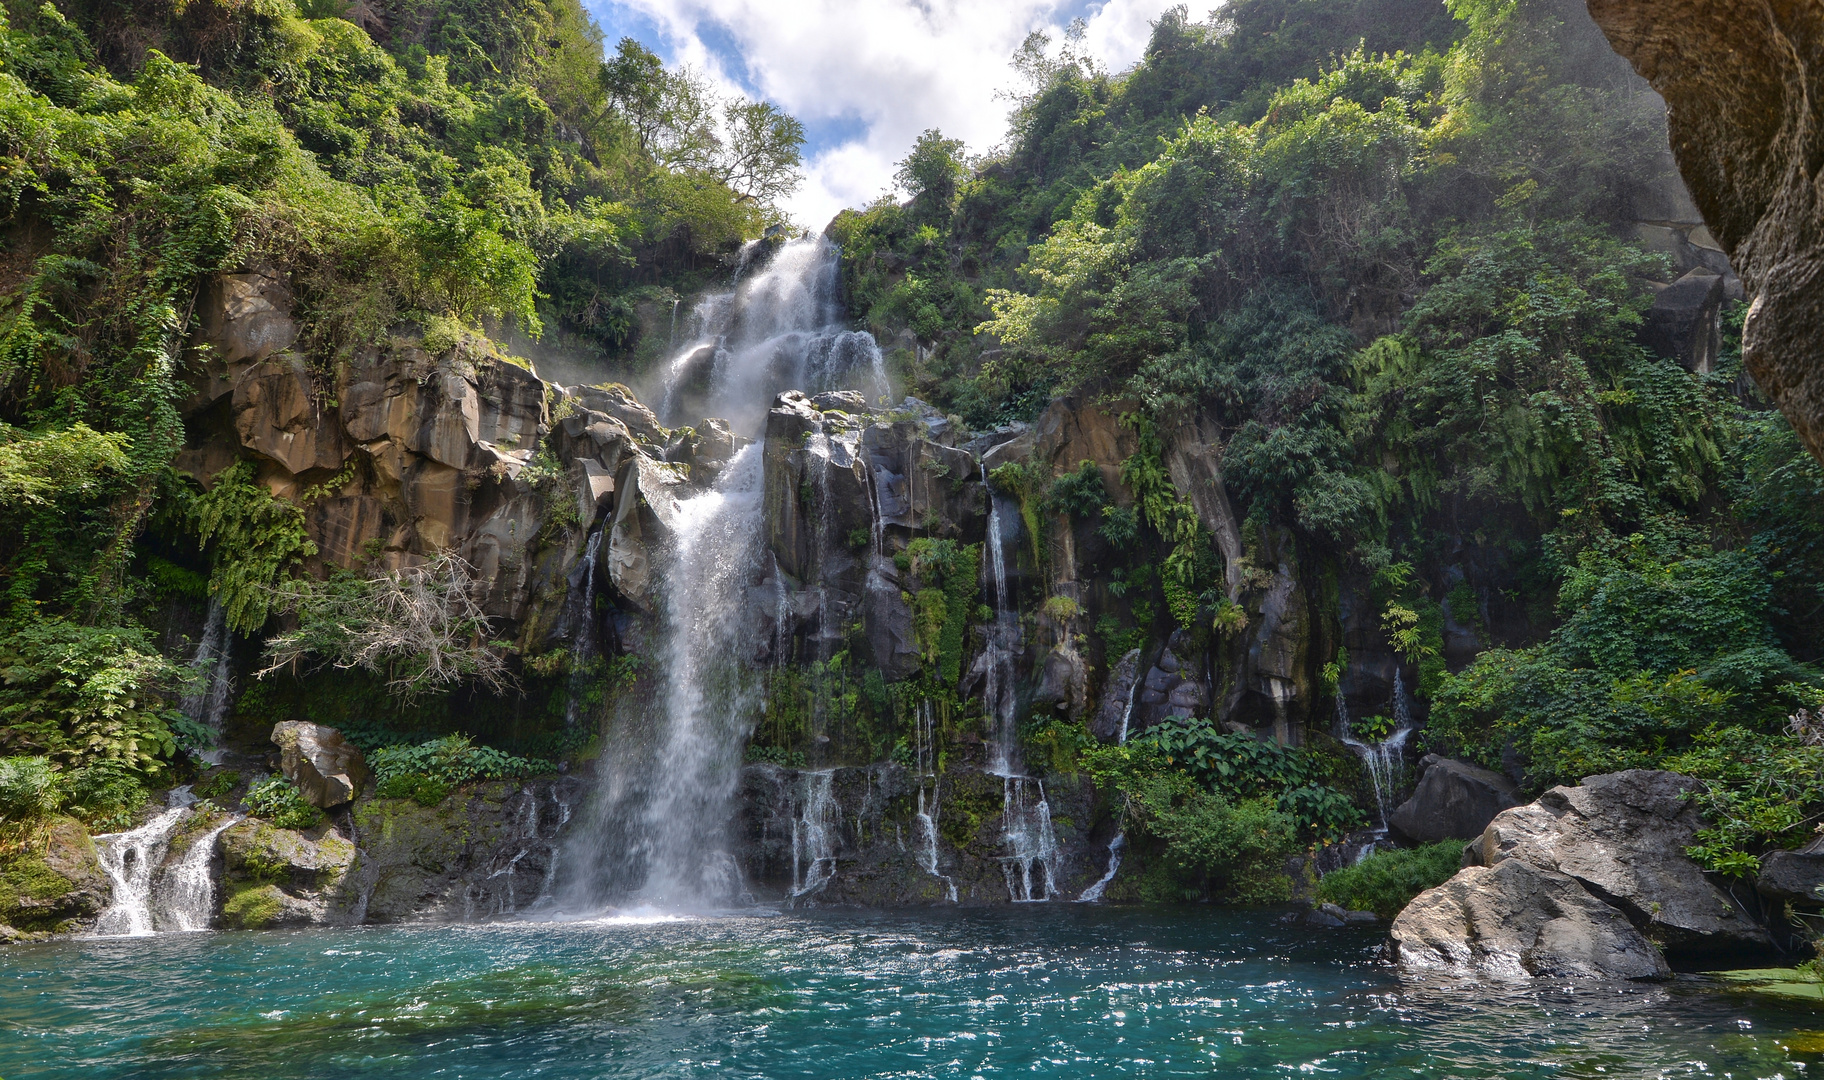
(658, 830)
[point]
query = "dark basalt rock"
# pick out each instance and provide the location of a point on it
(1741, 82)
(1454, 800)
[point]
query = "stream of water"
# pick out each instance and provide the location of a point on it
(1067, 990)
(656, 835)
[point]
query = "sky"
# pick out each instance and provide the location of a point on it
(865, 77)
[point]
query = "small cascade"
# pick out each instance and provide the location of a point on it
(1026, 829)
(1093, 894)
(186, 892)
(214, 665)
(581, 616)
(927, 840)
(1385, 760)
(131, 860)
(814, 831)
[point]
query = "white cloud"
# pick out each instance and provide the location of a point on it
(867, 76)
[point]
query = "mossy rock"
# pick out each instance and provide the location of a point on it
(51, 880)
(252, 905)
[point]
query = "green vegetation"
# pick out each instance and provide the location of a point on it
(1386, 881)
(275, 800)
(428, 771)
(491, 176)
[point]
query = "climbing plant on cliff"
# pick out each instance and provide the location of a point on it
(254, 541)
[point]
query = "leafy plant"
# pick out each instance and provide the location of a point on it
(29, 787)
(276, 801)
(1386, 881)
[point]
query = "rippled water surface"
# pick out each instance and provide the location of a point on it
(1038, 991)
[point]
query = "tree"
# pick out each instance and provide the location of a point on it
(929, 174)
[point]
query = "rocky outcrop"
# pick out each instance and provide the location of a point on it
(1453, 800)
(273, 877)
(1741, 81)
(1590, 880)
(1623, 837)
(325, 768)
(485, 851)
(52, 881)
(1515, 920)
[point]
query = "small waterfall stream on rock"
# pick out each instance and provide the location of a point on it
(658, 834)
(214, 665)
(1026, 827)
(1384, 760)
(814, 832)
(149, 895)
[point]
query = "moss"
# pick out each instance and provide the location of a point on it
(252, 905)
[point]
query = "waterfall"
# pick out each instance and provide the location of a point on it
(1026, 829)
(1093, 894)
(186, 894)
(581, 617)
(658, 829)
(147, 901)
(214, 666)
(814, 833)
(1383, 760)
(1025, 814)
(927, 840)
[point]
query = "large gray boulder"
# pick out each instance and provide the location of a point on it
(320, 763)
(1623, 837)
(1514, 920)
(1454, 800)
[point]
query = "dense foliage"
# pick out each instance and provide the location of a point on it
(1386, 881)
(462, 167)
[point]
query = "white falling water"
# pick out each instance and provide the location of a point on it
(1026, 827)
(1094, 893)
(184, 898)
(660, 834)
(927, 841)
(1031, 844)
(214, 664)
(814, 833)
(1383, 760)
(132, 860)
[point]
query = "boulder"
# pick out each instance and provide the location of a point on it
(619, 402)
(1682, 323)
(1623, 836)
(53, 880)
(322, 765)
(1515, 920)
(1454, 800)
(1793, 877)
(274, 877)
(1741, 85)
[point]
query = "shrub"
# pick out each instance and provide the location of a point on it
(426, 772)
(1386, 881)
(217, 785)
(29, 787)
(275, 800)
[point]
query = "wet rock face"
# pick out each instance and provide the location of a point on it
(325, 768)
(1741, 82)
(484, 852)
(854, 837)
(1623, 837)
(1454, 800)
(1516, 920)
